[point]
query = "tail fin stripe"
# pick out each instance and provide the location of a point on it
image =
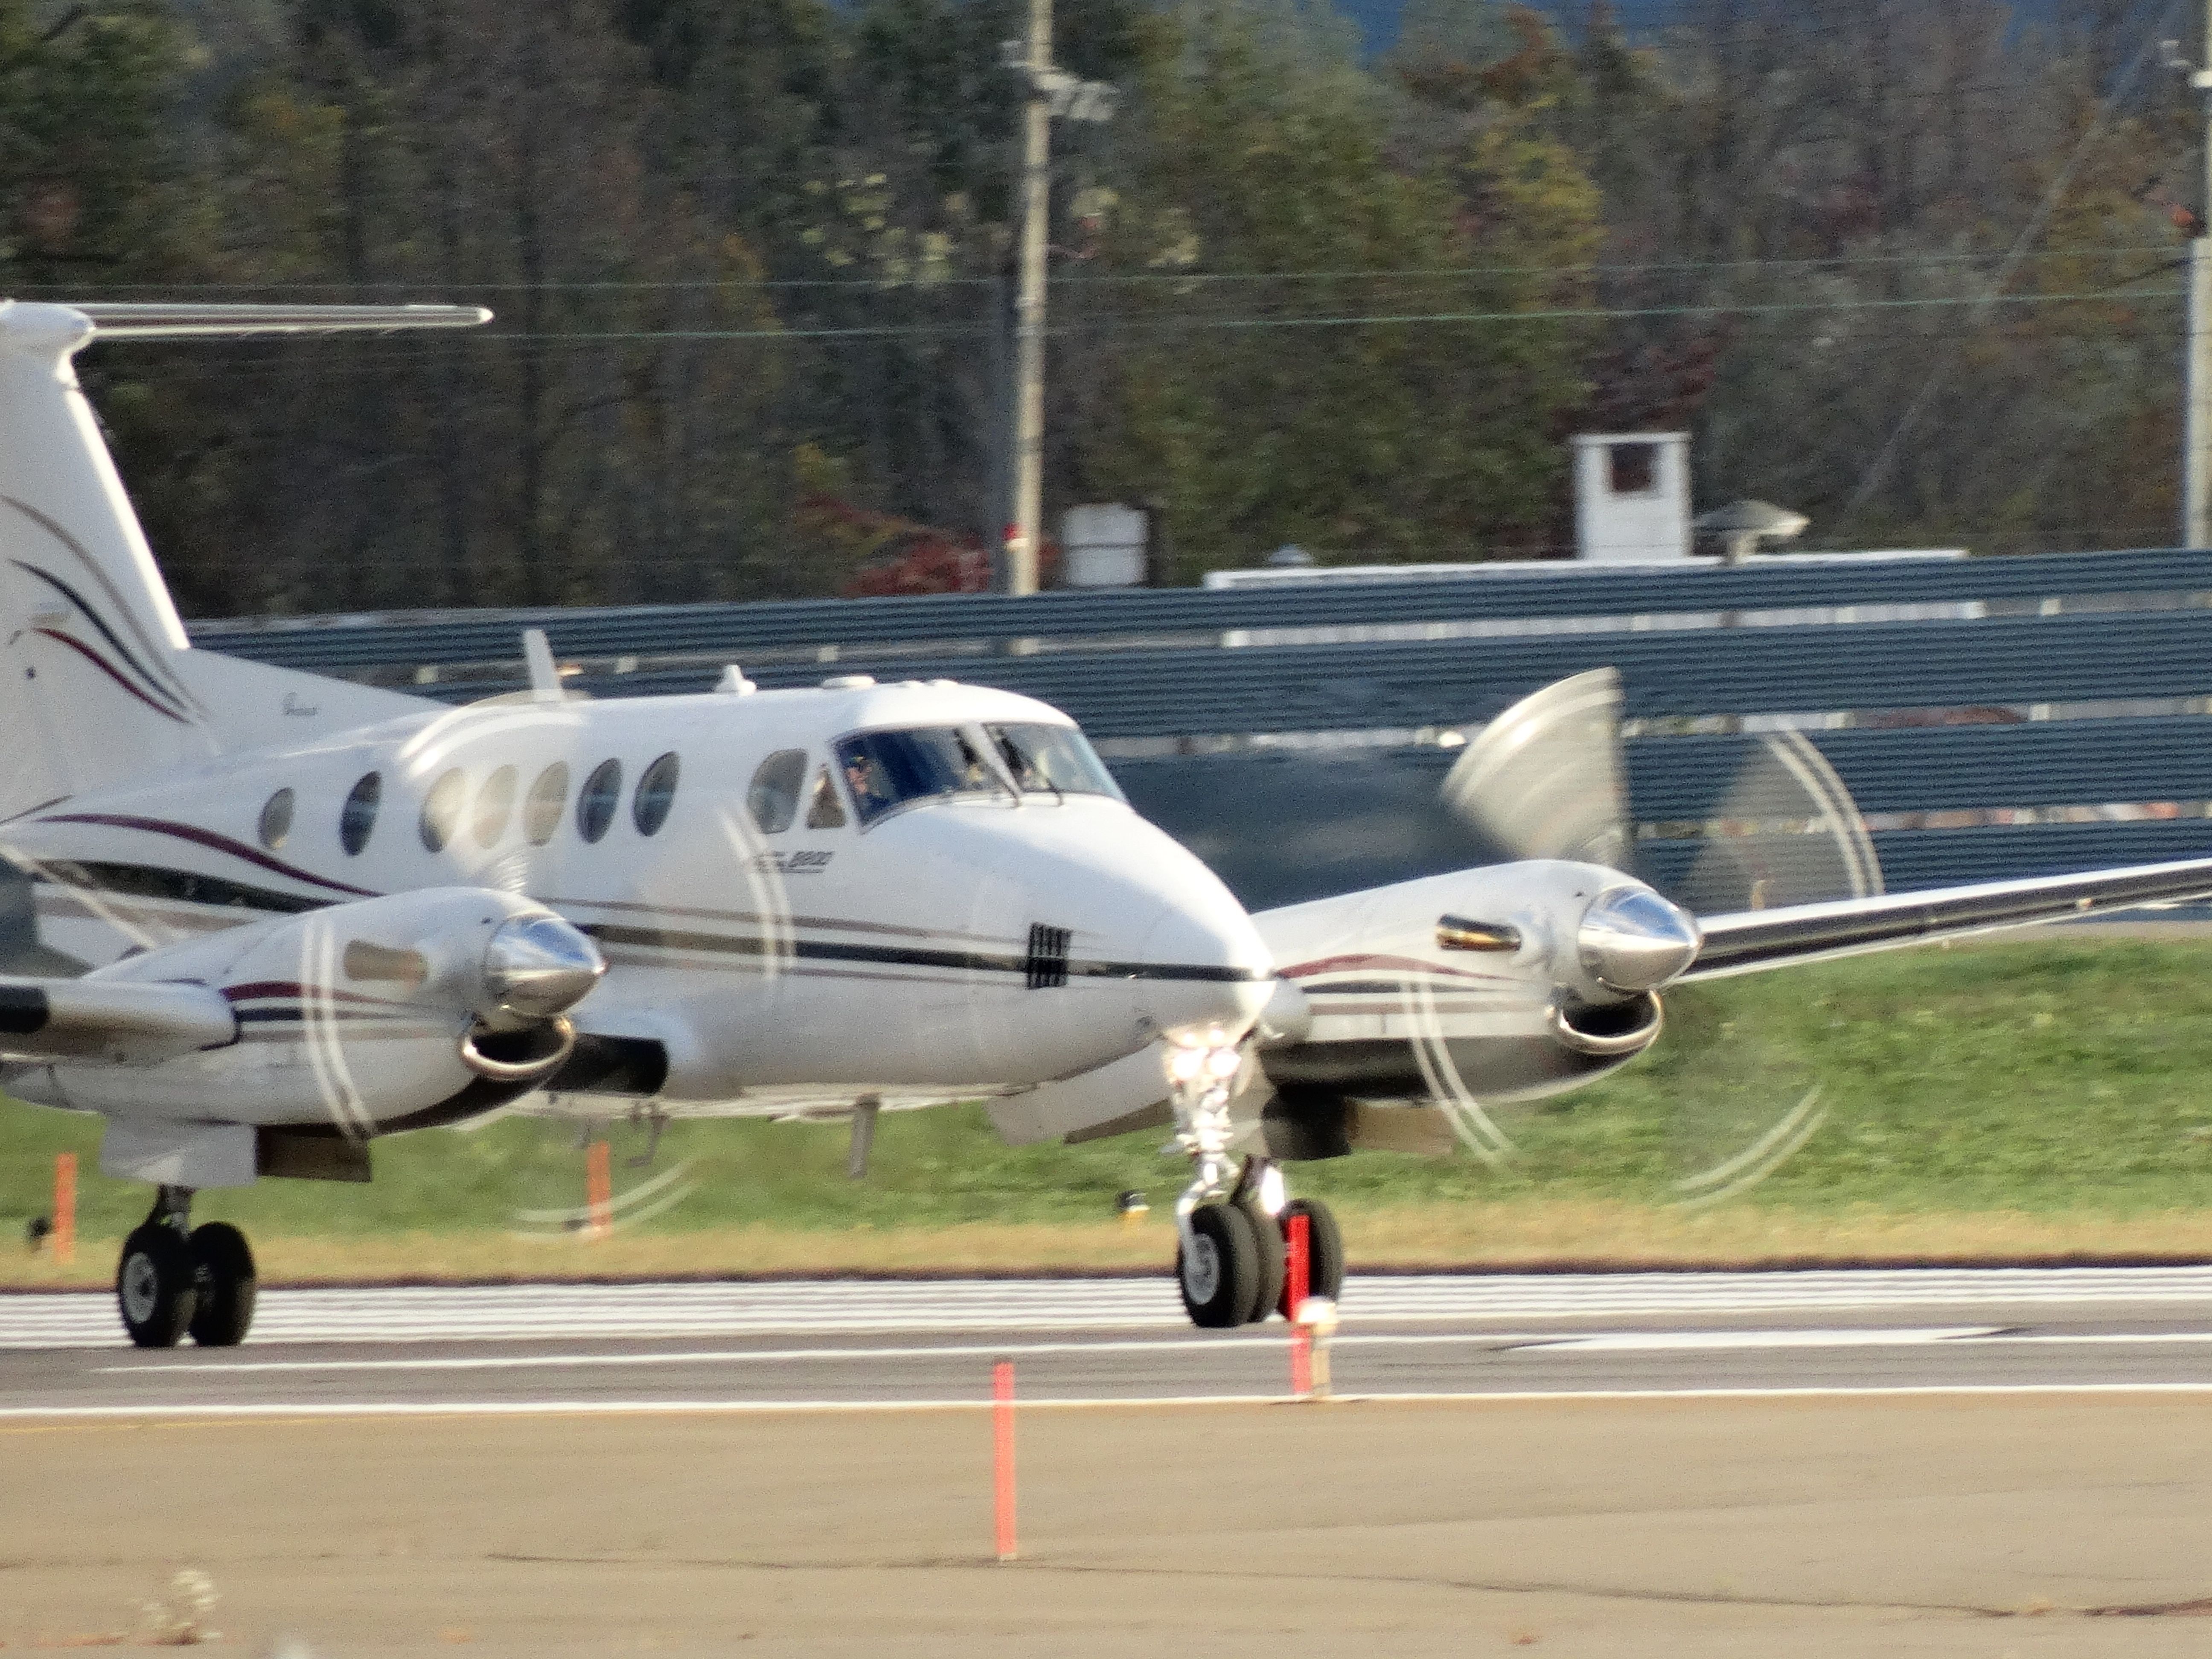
(111, 672)
(152, 682)
(159, 673)
(146, 677)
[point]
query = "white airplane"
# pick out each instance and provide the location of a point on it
(280, 916)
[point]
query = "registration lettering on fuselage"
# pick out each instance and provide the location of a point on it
(792, 863)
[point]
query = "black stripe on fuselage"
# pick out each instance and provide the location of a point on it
(904, 955)
(296, 1014)
(1430, 985)
(182, 886)
(189, 887)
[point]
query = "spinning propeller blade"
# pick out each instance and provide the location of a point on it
(1786, 831)
(1543, 779)
(1547, 779)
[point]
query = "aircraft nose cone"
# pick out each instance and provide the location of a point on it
(535, 967)
(1203, 969)
(1632, 939)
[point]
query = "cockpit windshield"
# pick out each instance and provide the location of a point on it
(884, 769)
(1055, 760)
(887, 769)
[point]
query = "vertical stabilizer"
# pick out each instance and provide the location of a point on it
(89, 692)
(97, 683)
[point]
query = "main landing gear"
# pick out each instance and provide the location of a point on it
(1232, 1266)
(1232, 1252)
(175, 1277)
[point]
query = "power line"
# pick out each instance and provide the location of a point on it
(2029, 234)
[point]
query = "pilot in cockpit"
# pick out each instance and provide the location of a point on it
(861, 778)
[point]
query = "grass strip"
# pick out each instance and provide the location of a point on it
(2042, 1099)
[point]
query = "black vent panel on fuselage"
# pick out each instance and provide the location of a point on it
(1048, 957)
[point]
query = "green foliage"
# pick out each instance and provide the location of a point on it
(2049, 1077)
(83, 161)
(1295, 296)
(1261, 164)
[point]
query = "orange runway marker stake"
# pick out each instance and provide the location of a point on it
(599, 1188)
(1002, 1454)
(1301, 1284)
(65, 1207)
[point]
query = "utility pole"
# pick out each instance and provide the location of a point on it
(1048, 92)
(2197, 405)
(1021, 569)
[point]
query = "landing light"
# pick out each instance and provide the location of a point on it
(1209, 1056)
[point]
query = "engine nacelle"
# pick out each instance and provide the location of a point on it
(1498, 984)
(381, 1014)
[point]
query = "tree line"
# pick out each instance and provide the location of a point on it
(1908, 266)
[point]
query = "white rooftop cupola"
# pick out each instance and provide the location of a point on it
(1632, 497)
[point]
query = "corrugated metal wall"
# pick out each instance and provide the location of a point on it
(1288, 733)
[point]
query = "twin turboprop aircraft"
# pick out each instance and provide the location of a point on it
(280, 916)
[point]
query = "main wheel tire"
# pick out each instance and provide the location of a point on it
(1274, 1263)
(1324, 1250)
(155, 1287)
(223, 1309)
(1219, 1271)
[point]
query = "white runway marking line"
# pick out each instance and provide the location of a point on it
(309, 1411)
(1672, 1341)
(713, 1357)
(1273, 1344)
(678, 1310)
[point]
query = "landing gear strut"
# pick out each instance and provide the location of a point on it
(1232, 1224)
(175, 1277)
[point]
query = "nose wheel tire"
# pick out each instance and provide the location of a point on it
(1272, 1255)
(1218, 1267)
(225, 1285)
(157, 1286)
(1324, 1251)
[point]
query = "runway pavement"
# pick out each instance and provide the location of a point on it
(1729, 1467)
(843, 1344)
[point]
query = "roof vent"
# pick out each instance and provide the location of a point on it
(848, 682)
(1742, 526)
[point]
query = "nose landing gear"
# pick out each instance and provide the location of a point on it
(174, 1278)
(1232, 1224)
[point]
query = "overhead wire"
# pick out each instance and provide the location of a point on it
(2029, 234)
(464, 289)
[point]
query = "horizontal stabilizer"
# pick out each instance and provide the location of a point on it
(163, 321)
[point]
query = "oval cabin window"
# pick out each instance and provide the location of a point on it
(358, 816)
(276, 819)
(541, 813)
(442, 811)
(772, 796)
(656, 793)
(495, 804)
(602, 794)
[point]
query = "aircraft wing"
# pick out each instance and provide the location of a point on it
(120, 1022)
(1751, 940)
